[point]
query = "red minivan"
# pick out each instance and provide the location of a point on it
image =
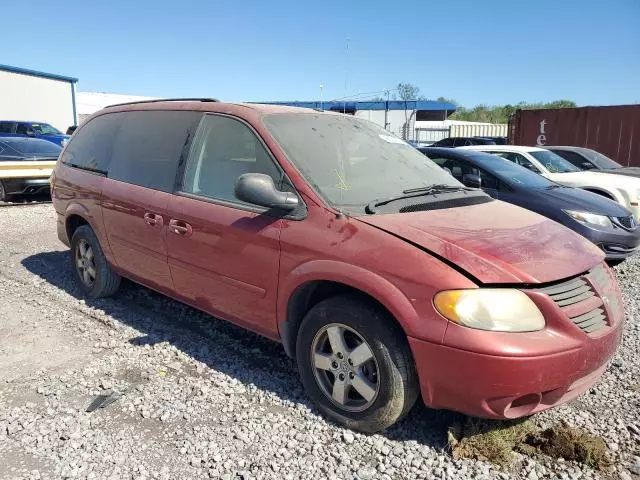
(379, 272)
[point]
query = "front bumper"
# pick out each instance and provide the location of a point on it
(617, 244)
(509, 375)
(26, 186)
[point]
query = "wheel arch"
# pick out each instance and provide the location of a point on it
(603, 192)
(318, 280)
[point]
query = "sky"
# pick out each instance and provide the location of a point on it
(491, 51)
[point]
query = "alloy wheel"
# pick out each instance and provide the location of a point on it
(85, 263)
(345, 367)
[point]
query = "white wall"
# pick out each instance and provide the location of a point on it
(396, 120)
(36, 99)
(90, 102)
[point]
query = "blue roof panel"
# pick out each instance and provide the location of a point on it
(381, 105)
(35, 73)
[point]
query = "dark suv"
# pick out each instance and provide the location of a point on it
(378, 271)
(463, 142)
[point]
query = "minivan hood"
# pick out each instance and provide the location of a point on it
(495, 242)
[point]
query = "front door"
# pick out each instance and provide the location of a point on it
(223, 253)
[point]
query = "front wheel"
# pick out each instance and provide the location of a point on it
(355, 363)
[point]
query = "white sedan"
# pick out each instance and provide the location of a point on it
(624, 190)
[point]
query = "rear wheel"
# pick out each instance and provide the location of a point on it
(355, 363)
(95, 275)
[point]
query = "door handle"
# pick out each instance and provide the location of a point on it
(180, 228)
(153, 219)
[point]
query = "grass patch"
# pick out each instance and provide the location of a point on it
(635, 388)
(562, 441)
(495, 442)
(488, 441)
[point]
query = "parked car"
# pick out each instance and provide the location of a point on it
(588, 159)
(624, 190)
(605, 222)
(40, 130)
(497, 140)
(462, 141)
(25, 165)
(378, 271)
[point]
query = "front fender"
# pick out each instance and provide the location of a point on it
(356, 277)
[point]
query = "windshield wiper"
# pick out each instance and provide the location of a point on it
(436, 188)
(415, 192)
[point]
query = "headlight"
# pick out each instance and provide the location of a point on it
(496, 309)
(590, 218)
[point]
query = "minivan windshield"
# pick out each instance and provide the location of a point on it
(554, 162)
(351, 162)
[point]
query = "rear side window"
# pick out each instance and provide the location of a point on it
(6, 127)
(149, 146)
(90, 148)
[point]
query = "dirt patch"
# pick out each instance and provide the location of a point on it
(495, 442)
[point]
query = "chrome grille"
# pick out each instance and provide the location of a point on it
(570, 294)
(626, 222)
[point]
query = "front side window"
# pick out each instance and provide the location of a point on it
(351, 162)
(149, 146)
(488, 181)
(224, 149)
(554, 163)
(45, 129)
(24, 129)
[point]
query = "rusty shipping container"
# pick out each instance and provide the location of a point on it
(613, 130)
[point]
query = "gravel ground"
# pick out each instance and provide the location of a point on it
(203, 398)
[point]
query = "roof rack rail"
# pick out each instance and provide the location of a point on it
(165, 100)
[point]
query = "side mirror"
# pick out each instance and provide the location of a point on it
(31, 133)
(259, 189)
(472, 180)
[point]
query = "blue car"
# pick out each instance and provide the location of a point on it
(44, 131)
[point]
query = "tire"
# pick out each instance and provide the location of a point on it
(390, 370)
(96, 277)
(3, 192)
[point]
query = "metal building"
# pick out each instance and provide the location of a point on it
(37, 96)
(397, 116)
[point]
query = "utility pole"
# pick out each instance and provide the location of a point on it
(346, 67)
(386, 112)
(321, 102)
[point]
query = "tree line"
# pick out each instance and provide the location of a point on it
(479, 113)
